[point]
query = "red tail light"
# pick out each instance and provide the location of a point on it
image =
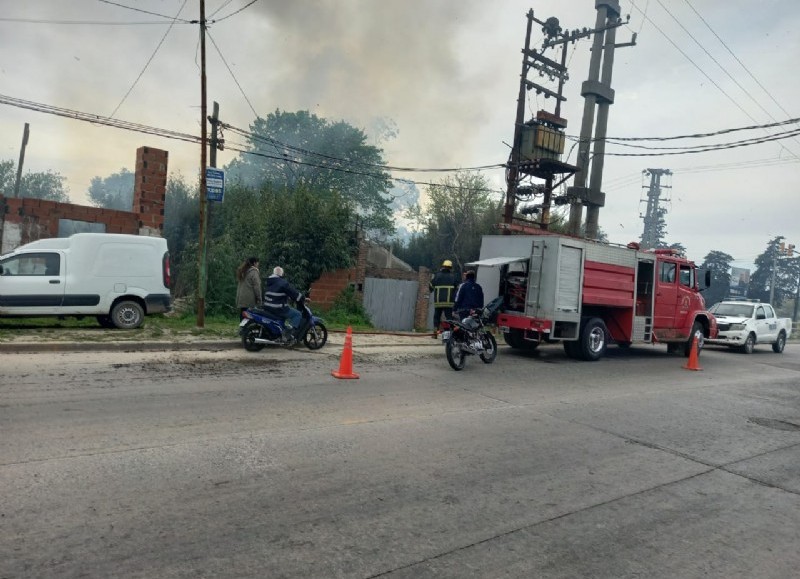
(165, 270)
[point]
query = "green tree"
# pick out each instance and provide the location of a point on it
(181, 228)
(719, 264)
(47, 185)
(114, 191)
(786, 270)
(289, 150)
(458, 213)
(304, 231)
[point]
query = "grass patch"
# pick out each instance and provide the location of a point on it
(347, 310)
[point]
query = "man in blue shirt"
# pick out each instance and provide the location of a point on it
(469, 296)
(276, 295)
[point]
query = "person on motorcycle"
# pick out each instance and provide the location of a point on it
(277, 293)
(469, 296)
(443, 285)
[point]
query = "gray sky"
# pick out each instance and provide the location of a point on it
(446, 72)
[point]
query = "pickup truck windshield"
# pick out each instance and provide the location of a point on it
(734, 310)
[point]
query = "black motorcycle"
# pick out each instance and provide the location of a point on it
(470, 337)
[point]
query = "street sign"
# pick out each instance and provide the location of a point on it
(215, 184)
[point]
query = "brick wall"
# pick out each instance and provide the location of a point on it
(331, 283)
(23, 220)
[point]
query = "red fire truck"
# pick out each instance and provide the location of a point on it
(587, 294)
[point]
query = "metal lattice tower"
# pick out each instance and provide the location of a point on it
(653, 216)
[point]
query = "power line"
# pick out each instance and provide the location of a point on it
(725, 70)
(687, 57)
(353, 171)
(238, 84)
(237, 11)
(140, 10)
(733, 145)
(752, 140)
(97, 119)
(233, 76)
(747, 70)
(149, 60)
(270, 140)
(223, 5)
(702, 135)
(83, 22)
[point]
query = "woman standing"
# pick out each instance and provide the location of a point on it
(248, 290)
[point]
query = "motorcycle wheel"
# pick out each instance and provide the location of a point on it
(456, 356)
(316, 336)
(250, 332)
(489, 348)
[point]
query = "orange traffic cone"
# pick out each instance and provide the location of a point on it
(693, 363)
(346, 363)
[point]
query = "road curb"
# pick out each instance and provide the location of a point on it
(156, 346)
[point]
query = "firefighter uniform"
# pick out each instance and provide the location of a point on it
(443, 287)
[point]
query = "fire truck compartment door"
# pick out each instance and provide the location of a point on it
(568, 292)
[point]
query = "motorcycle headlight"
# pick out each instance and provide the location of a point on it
(736, 327)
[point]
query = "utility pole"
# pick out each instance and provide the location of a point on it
(215, 142)
(596, 91)
(775, 253)
(25, 134)
(539, 142)
(513, 169)
(201, 286)
(652, 216)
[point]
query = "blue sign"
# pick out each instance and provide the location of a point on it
(215, 184)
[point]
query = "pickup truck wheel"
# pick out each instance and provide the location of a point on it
(697, 330)
(127, 315)
(749, 344)
(593, 340)
(779, 344)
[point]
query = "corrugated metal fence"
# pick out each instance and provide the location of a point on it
(390, 303)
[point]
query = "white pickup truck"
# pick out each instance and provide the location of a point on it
(743, 324)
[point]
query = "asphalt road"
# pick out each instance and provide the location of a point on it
(231, 464)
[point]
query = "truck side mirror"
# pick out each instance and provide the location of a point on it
(708, 278)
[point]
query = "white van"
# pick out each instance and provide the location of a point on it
(117, 278)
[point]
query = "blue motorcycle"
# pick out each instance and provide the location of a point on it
(259, 328)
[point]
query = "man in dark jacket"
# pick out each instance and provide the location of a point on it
(469, 296)
(276, 295)
(443, 286)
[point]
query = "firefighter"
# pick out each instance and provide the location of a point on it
(443, 286)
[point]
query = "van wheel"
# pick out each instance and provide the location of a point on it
(105, 322)
(127, 315)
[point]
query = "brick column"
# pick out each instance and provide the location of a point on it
(149, 189)
(361, 266)
(423, 298)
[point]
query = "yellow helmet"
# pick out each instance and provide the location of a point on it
(447, 263)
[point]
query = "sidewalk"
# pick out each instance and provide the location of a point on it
(104, 340)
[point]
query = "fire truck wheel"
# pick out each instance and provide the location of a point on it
(593, 341)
